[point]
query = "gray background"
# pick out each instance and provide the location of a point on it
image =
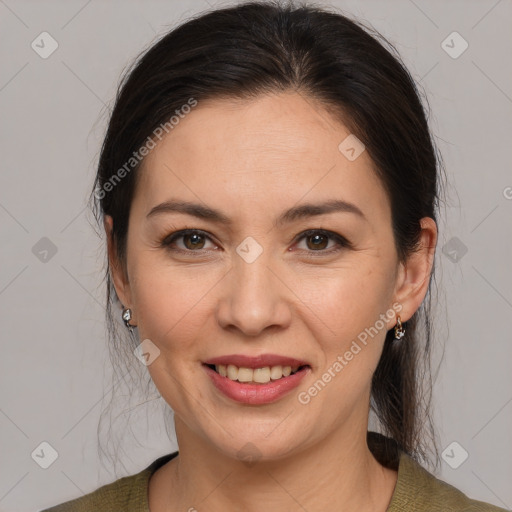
(51, 305)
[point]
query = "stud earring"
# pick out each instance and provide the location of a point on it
(127, 316)
(399, 329)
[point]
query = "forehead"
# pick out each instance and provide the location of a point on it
(273, 149)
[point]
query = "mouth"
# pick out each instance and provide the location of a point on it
(262, 375)
(255, 380)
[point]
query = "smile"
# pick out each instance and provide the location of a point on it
(255, 375)
(255, 380)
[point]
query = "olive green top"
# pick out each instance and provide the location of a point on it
(416, 489)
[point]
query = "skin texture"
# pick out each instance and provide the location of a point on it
(252, 160)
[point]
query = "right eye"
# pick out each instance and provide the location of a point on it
(193, 240)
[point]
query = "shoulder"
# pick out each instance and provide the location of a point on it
(127, 494)
(419, 490)
(121, 495)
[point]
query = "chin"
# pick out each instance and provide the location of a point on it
(256, 445)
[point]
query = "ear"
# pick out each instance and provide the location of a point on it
(414, 275)
(117, 272)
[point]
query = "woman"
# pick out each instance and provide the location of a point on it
(268, 186)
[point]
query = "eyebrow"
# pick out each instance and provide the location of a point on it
(297, 212)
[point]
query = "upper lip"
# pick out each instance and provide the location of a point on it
(256, 362)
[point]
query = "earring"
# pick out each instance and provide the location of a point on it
(127, 316)
(399, 330)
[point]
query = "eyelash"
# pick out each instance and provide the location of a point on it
(342, 242)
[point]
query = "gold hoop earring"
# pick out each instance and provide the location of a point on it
(399, 329)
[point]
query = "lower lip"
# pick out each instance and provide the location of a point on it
(256, 394)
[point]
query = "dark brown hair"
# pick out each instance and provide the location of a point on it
(263, 47)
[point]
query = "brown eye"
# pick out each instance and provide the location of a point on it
(318, 241)
(193, 241)
(188, 240)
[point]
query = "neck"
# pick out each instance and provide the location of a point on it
(341, 466)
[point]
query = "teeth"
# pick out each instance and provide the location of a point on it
(244, 375)
(259, 375)
(276, 372)
(232, 371)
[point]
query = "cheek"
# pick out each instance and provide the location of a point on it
(349, 300)
(351, 334)
(163, 299)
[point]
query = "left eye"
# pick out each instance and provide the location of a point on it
(319, 239)
(316, 240)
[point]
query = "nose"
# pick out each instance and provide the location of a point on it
(255, 297)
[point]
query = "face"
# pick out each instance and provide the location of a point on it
(256, 282)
